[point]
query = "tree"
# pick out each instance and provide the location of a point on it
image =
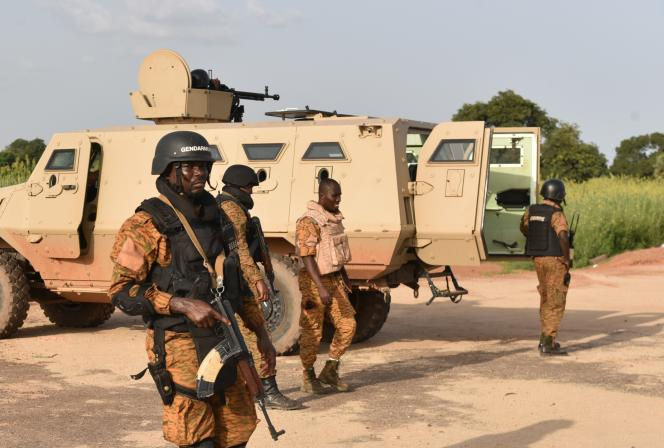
(636, 156)
(507, 108)
(20, 149)
(564, 155)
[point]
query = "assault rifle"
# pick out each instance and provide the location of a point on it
(269, 269)
(231, 348)
(574, 223)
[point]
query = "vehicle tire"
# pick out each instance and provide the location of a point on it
(371, 310)
(284, 324)
(14, 295)
(77, 315)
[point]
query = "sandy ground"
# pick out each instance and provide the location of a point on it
(465, 375)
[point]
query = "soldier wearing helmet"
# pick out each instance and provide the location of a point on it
(548, 242)
(159, 274)
(235, 204)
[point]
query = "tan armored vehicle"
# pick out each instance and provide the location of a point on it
(417, 197)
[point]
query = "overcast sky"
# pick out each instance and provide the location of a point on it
(69, 64)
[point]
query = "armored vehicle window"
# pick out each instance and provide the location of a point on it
(324, 151)
(262, 151)
(62, 160)
(454, 151)
(505, 155)
(216, 154)
(414, 142)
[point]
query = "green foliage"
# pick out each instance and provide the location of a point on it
(617, 214)
(659, 166)
(21, 149)
(17, 172)
(508, 267)
(564, 155)
(505, 109)
(636, 156)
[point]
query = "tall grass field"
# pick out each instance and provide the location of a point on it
(616, 215)
(17, 172)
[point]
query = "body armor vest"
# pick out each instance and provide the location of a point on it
(185, 276)
(542, 240)
(228, 231)
(333, 250)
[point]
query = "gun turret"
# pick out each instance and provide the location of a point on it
(237, 110)
(169, 94)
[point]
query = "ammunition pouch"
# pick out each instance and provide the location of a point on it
(235, 286)
(161, 376)
(163, 380)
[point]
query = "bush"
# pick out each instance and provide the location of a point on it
(17, 172)
(617, 214)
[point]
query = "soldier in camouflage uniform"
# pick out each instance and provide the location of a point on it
(323, 247)
(159, 274)
(235, 202)
(548, 242)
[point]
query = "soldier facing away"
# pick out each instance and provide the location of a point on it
(235, 202)
(548, 242)
(324, 250)
(159, 274)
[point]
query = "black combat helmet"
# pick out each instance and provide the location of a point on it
(180, 146)
(554, 190)
(240, 176)
(200, 79)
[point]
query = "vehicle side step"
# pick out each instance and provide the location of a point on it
(455, 295)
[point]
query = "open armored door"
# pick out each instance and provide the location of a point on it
(512, 187)
(56, 191)
(450, 192)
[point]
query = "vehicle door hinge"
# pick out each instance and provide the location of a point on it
(419, 188)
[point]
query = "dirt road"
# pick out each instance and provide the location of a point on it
(465, 375)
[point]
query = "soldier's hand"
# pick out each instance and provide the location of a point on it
(263, 294)
(201, 313)
(325, 295)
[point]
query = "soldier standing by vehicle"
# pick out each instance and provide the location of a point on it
(159, 274)
(548, 242)
(323, 247)
(235, 202)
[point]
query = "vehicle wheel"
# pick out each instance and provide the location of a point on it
(284, 324)
(78, 315)
(14, 295)
(371, 310)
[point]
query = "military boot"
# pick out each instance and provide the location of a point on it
(274, 399)
(330, 375)
(311, 384)
(548, 347)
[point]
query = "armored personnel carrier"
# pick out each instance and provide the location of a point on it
(418, 197)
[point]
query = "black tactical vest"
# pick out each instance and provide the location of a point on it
(230, 245)
(542, 240)
(186, 276)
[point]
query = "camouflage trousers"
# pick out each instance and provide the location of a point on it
(553, 293)
(187, 421)
(340, 312)
(252, 344)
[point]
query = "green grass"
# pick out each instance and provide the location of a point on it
(507, 267)
(16, 173)
(617, 214)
